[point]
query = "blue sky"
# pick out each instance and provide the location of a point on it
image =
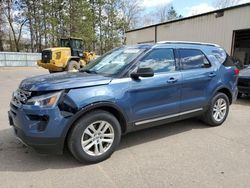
(185, 7)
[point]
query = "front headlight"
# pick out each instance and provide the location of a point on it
(48, 100)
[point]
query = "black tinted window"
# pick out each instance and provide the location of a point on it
(193, 59)
(160, 60)
(229, 62)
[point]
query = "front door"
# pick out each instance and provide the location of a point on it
(156, 97)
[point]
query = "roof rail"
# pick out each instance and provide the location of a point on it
(187, 42)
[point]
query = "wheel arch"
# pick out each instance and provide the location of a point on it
(74, 58)
(227, 92)
(106, 106)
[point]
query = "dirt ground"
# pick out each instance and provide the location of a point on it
(182, 154)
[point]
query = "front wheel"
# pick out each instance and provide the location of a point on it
(94, 137)
(217, 111)
(73, 66)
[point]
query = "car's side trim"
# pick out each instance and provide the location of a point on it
(167, 117)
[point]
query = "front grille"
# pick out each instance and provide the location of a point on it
(46, 56)
(244, 82)
(20, 97)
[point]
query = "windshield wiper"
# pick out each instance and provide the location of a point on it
(88, 71)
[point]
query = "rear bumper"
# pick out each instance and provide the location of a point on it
(234, 94)
(52, 65)
(45, 136)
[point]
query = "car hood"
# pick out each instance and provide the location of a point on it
(59, 81)
(245, 73)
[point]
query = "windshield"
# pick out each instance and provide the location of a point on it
(114, 61)
(65, 43)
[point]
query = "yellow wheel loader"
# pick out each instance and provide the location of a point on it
(69, 56)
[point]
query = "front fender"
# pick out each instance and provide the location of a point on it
(88, 108)
(88, 95)
(83, 100)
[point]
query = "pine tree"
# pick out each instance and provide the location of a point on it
(172, 14)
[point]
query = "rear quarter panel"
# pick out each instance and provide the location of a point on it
(225, 77)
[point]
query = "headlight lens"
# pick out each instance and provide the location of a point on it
(48, 100)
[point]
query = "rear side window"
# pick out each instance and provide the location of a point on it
(193, 59)
(160, 60)
(220, 54)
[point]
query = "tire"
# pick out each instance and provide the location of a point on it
(51, 72)
(209, 117)
(81, 132)
(73, 66)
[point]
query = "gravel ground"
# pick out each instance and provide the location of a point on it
(182, 154)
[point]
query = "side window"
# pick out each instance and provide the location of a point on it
(220, 54)
(160, 60)
(193, 59)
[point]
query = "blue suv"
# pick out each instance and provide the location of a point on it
(128, 88)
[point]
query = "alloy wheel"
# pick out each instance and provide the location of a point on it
(219, 109)
(97, 138)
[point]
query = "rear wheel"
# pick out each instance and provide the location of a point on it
(73, 66)
(217, 111)
(94, 137)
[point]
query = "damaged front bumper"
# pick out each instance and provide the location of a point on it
(41, 129)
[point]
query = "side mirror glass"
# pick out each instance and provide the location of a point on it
(142, 72)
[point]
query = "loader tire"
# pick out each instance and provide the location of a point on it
(73, 66)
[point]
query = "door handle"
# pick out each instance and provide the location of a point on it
(172, 80)
(212, 74)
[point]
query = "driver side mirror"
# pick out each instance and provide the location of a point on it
(142, 72)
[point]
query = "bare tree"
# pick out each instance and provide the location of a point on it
(1, 26)
(13, 11)
(225, 3)
(165, 13)
(162, 13)
(130, 12)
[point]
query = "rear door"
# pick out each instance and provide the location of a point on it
(197, 75)
(157, 96)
